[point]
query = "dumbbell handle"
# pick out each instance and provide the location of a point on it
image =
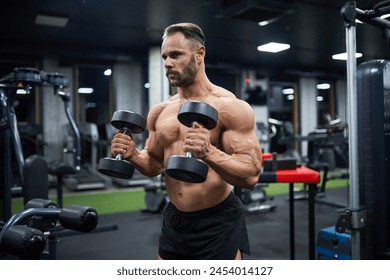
(189, 154)
(126, 131)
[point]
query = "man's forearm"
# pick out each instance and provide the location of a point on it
(241, 170)
(145, 163)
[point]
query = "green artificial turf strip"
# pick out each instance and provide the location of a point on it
(103, 202)
(110, 202)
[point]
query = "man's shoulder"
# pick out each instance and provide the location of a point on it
(232, 110)
(230, 101)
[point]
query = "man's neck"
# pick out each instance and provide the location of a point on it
(198, 89)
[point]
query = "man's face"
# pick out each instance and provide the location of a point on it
(179, 60)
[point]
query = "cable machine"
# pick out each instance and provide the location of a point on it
(368, 89)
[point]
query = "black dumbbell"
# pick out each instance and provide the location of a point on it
(129, 122)
(187, 168)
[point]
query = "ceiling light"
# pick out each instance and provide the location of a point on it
(273, 47)
(107, 72)
(320, 98)
(385, 16)
(323, 86)
(343, 56)
(56, 21)
(84, 90)
(264, 23)
(21, 91)
(288, 91)
(268, 21)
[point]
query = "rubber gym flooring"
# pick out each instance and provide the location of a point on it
(137, 235)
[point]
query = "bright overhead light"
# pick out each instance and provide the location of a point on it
(385, 16)
(107, 72)
(343, 56)
(264, 23)
(56, 21)
(323, 86)
(273, 47)
(21, 91)
(288, 91)
(84, 90)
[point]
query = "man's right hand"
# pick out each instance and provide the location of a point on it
(122, 144)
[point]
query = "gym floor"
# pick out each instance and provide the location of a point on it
(137, 235)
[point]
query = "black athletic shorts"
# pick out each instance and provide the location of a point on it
(215, 233)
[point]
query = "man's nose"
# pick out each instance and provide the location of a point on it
(168, 63)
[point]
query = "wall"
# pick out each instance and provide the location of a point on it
(307, 108)
(128, 89)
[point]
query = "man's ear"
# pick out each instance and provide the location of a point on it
(200, 53)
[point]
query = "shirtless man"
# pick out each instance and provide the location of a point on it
(203, 220)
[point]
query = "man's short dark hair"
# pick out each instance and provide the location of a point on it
(189, 30)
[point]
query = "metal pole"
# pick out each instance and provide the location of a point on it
(353, 193)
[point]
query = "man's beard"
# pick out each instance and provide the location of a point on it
(185, 78)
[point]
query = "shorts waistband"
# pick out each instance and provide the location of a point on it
(206, 211)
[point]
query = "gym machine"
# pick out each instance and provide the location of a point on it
(23, 78)
(256, 200)
(87, 177)
(366, 219)
(327, 150)
(156, 198)
(32, 233)
(373, 88)
(288, 171)
(84, 177)
(31, 136)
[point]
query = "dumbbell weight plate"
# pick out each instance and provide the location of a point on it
(200, 112)
(190, 170)
(116, 168)
(127, 119)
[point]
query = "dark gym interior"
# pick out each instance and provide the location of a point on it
(53, 134)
